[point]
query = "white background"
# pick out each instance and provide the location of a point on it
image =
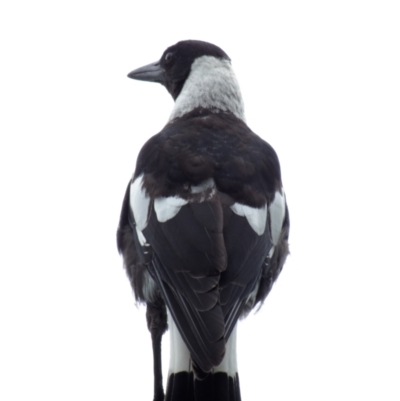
(320, 80)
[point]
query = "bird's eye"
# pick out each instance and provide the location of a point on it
(168, 57)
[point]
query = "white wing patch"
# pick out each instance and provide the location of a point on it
(256, 217)
(167, 208)
(277, 214)
(139, 202)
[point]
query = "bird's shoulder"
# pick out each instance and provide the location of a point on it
(205, 145)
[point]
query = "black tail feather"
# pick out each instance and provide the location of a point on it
(184, 386)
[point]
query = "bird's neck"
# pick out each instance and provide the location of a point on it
(211, 84)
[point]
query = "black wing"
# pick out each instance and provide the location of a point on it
(209, 260)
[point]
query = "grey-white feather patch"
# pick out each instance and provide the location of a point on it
(206, 184)
(141, 237)
(139, 202)
(149, 287)
(168, 207)
(211, 84)
(229, 363)
(179, 353)
(277, 214)
(256, 217)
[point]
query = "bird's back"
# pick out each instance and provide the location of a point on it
(209, 181)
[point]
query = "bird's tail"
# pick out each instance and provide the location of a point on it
(187, 384)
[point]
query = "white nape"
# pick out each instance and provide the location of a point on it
(179, 360)
(211, 84)
(168, 207)
(139, 202)
(277, 214)
(256, 217)
(229, 363)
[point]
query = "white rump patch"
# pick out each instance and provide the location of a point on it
(167, 208)
(210, 84)
(179, 360)
(139, 202)
(256, 217)
(203, 192)
(277, 213)
(207, 184)
(229, 363)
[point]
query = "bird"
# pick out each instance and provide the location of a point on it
(204, 225)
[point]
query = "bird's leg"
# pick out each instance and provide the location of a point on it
(157, 324)
(157, 365)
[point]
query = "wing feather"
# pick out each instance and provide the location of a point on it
(211, 226)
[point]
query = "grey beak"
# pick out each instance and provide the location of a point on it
(152, 73)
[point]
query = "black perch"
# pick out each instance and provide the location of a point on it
(204, 224)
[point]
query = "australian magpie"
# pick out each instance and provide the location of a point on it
(204, 223)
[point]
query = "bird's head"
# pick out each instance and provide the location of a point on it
(196, 74)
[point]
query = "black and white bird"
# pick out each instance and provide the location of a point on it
(204, 224)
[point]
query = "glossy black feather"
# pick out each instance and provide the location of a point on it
(207, 260)
(184, 386)
(203, 145)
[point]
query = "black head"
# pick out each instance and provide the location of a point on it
(174, 66)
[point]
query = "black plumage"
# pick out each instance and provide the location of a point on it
(198, 247)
